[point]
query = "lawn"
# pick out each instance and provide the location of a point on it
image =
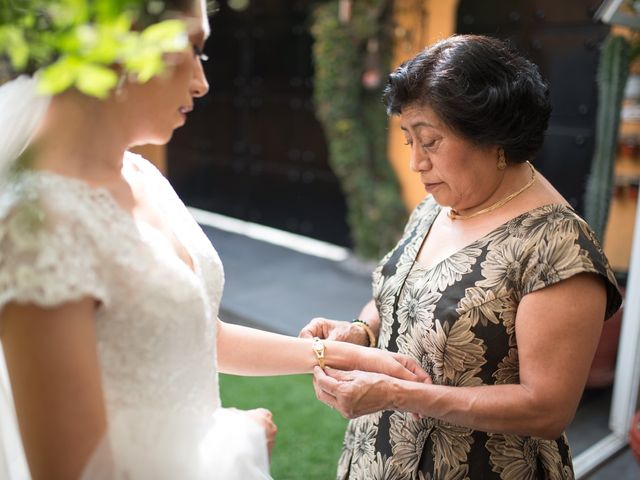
(309, 433)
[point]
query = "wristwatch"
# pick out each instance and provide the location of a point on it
(318, 349)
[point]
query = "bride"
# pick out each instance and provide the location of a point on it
(109, 297)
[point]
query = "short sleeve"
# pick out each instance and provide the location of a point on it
(47, 255)
(564, 249)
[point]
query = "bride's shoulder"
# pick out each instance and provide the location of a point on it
(43, 211)
(51, 246)
(49, 195)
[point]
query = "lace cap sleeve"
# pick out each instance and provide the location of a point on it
(563, 245)
(48, 255)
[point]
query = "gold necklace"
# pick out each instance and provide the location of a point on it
(453, 215)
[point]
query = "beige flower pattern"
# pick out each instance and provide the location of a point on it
(458, 319)
(525, 458)
(451, 270)
(453, 351)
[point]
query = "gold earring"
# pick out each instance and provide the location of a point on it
(502, 161)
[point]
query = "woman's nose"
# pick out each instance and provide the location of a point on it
(418, 161)
(199, 84)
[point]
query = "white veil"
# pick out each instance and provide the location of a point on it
(21, 112)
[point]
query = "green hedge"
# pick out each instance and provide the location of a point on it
(355, 122)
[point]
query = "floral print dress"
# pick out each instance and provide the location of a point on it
(457, 319)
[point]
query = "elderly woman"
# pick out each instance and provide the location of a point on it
(497, 286)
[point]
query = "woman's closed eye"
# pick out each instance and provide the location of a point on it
(197, 51)
(424, 145)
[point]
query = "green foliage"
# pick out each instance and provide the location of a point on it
(77, 43)
(613, 69)
(355, 123)
(310, 434)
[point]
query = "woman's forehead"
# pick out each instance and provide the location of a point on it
(197, 20)
(419, 114)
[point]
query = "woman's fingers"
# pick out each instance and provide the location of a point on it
(325, 382)
(313, 329)
(414, 367)
(355, 393)
(401, 368)
(322, 328)
(337, 330)
(339, 375)
(320, 383)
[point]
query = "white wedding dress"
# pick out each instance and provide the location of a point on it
(60, 241)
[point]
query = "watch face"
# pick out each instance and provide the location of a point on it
(317, 345)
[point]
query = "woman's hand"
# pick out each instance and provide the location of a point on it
(337, 330)
(353, 393)
(264, 418)
(371, 386)
(356, 393)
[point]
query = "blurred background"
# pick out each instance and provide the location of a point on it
(255, 150)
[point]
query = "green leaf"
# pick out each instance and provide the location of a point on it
(121, 24)
(96, 80)
(75, 42)
(15, 45)
(105, 9)
(58, 77)
(146, 65)
(169, 36)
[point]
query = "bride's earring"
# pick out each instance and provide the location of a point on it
(120, 90)
(502, 161)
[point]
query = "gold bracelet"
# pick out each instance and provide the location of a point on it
(318, 348)
(364, 325)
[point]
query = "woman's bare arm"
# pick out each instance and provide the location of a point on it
(55, 377)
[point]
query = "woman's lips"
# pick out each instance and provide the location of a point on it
(431, 186)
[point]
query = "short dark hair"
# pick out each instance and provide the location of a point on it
(481, 89)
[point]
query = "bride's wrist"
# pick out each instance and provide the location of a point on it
(343, 355)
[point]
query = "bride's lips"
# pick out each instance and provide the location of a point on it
(184, 110)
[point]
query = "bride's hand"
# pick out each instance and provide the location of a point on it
(264, 418)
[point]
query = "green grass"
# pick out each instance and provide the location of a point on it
(309, 433)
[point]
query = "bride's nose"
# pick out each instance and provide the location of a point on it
(199, 84)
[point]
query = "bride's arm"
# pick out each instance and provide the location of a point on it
(55, 378)
(248, 351)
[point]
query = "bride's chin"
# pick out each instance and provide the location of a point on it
(158, 138)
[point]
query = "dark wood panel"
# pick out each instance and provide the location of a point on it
(562, 38)
(253, 148)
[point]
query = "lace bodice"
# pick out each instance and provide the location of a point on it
(61, 240)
